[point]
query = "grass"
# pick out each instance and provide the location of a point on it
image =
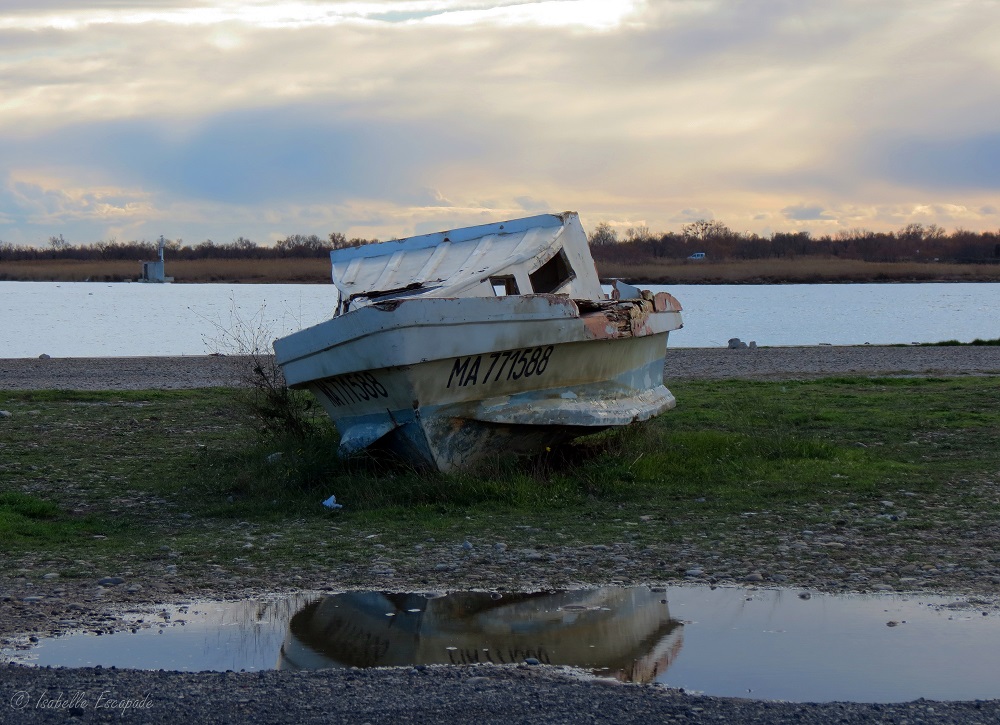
(111, 476)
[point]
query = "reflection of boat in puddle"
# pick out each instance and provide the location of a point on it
(623, 633)
(771, 644)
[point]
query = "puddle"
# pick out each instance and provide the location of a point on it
(766, 644)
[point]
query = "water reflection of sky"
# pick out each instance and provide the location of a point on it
(766, 644)
(771, 644)
(100, 319)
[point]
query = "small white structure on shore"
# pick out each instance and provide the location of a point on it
(154, 271)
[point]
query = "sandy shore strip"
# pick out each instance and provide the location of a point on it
(173, 373)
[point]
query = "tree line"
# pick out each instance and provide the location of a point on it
(914, 242)
(294, 246)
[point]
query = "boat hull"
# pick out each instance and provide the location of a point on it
(516, 376)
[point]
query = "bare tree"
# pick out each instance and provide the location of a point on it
(602, 235)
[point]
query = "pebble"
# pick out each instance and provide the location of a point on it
(754, 576)
(500, 547)
(111, 581)
(467, 545)
(5, 414)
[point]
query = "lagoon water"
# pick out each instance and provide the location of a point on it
(96, 319)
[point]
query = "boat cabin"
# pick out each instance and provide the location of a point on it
(545, 254)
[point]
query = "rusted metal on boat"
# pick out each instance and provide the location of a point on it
(455, 346)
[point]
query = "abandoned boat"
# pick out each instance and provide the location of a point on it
(498, 338)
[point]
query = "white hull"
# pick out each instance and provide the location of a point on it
(446, 382)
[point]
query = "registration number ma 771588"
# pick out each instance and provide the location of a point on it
(493, 367)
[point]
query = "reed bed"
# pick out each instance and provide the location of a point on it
(260, 271)
(317, 270)
(802, 270)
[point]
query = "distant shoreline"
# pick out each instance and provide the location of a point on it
(805, 270)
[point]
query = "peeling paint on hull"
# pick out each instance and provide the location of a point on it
(436, 351)
(560, 374)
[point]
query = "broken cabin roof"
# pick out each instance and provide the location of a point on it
(446, 263)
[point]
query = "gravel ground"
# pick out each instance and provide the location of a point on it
(474, 695)
(841, 556)
(141, 373)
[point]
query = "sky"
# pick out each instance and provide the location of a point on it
(215, 119)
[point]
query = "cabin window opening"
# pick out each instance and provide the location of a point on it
(552, 275)
(504, 285)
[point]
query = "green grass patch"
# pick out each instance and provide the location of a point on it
(29, 521)
(117, 474)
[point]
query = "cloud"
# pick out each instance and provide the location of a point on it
(529, 203)
(804, 212)
(935, 164)
(263, 118)
(260, 154)
(687, 216)
(320, 13)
